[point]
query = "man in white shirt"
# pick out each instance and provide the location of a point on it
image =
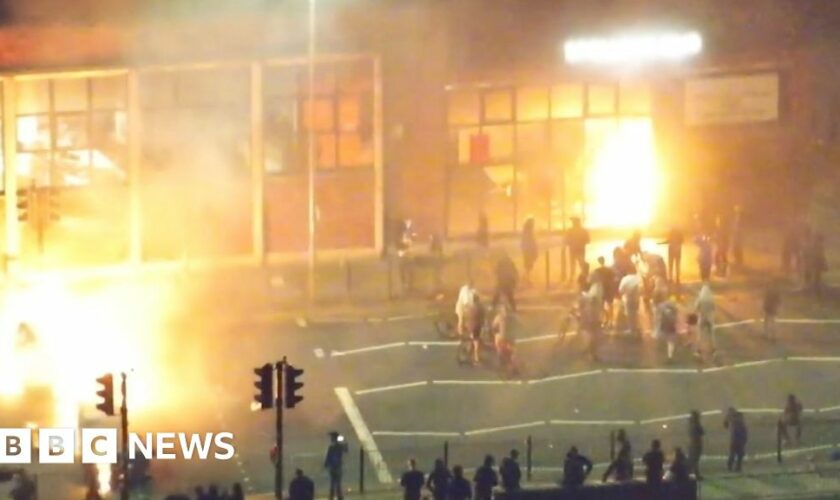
(466, 298)
(630, 289)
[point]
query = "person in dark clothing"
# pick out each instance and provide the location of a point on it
(695, 444)
(815, 264)
(675, 242)
(529, 247)
(412, 481)
(621, 468)
(738, 435)
(576, 240)
(334, 463)
(633, 246)
(485, 479)
(439, 480)
(482, 236)
(200, 493)
(237, 493)
(301, 487)
(460, 488)
(770, 306)
(791, 417)
(679, 469)
(510, 471)
(507, 278)
(609, 285)
(654, 461)
(576, 469)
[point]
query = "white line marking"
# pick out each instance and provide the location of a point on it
(715, 369)
(421, 343)
(592, 422)
(417, 434)
(405, 317)
(808, 321)
(319, 353)
(505, 428)
(755, 363)
(823, 359)
(367, 349)
(662, 419)
(760, 410)
(652, 370)
(711, 412)
(829, 409)
(476, 382)
(735, 323)
(391, 387)
(549, 336)
(563, 377)
(364, 435)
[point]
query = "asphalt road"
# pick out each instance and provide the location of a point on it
(395, 389)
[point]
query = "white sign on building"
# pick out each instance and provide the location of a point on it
(732, 99)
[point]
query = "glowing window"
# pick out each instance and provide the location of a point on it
(70, 94)
(634, 98)
(33, 96)
(532, 103)
(567, 100)
(498, 106)
(463, 107)
(600, 99)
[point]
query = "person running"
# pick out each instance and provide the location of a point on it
(704, 307)
(576, 469)
(485, 479)
(770, 307)
(695, 444)
(439, 481)
(738, 436)
(576, 240)
(510, 472)
(529, 247)
(791, 417)
(460, 488)
(412, 481)
(654, 461)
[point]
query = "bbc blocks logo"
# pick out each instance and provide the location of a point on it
(101, 446)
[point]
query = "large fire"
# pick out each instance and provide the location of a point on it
(73, 337)
(622, 181)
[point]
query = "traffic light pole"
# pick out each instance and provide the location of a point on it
(124, 438)
(278, 464)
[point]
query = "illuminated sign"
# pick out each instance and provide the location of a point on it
(633, 49)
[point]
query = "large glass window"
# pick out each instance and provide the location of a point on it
(340, 113)
(71, 131)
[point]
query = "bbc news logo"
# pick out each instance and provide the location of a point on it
(100, 446)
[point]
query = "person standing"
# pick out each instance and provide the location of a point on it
(460, 489)
(621, 469)
(507, 278)
(529, 247)
(675, 242)
(704, 257)
(815, 264)
(505, 340)
(301, 487)
(667, 313)
(334, 463)
(439, 481)
(704, 307)
(576, 469)
(485, 479)
(465, 300)
(412, 481)
(630, 289)
(633, 246)
(770, 307)
(474, 323)
(510, 472)
(738, 436)
(791, 417)
(576, 240)
(654, 461)
(609, 287)
(695, 443)
(680, 468)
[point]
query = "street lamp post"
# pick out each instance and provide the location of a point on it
(311, 152)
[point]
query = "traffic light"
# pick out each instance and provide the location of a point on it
(23, 204)
(265, 386)
(107, 394)
(54, 204)
(292, 385)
